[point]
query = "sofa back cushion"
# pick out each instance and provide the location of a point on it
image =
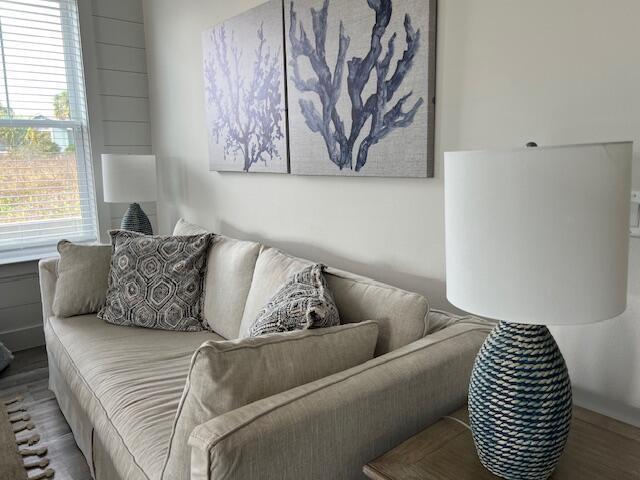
(187, 228)
(226, 375)
(273, 268)
(229, 272)
(402, 316)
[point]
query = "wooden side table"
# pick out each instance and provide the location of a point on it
(599, 448)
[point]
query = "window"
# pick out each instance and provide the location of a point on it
(46, 178)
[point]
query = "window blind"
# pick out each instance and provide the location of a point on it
(46, 177)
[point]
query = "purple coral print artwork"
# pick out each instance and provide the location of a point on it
(361, 86)
(245, 92)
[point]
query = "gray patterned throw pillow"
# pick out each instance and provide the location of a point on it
(156, 282)
(304, 301)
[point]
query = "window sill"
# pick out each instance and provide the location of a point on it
(29, 256)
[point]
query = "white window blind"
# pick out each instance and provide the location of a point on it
(46, 179)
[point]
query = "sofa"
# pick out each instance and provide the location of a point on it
(119, 387)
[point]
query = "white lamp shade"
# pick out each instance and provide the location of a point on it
(539, 235)
(129, 178)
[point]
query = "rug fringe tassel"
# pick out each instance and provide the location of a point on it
(20, 422)
(25, 417)
(31, 440)
(26, 426)
(44, 463)
(16, 409)
(48, 473)
(17, 398)
(26, 452)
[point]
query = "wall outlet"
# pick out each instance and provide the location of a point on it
(634, 218)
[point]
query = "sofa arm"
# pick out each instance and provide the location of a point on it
(48, 273)
(331, 427)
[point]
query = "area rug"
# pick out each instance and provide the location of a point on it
(21, 458)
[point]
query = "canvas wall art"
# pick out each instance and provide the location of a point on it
(245, 91)
(361, 86)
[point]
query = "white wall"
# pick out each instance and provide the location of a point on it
(507, 72)
(117, 97)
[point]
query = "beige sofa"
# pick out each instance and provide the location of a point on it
(119, 387)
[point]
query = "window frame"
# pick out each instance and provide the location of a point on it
(78, 123)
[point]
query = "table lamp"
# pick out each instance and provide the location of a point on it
(534, 236)
(130, 179)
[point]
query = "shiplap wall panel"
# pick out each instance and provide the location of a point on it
(127, 84)
(116, 108)
(119, 37)
(17, 269)
(126, 133)
(118, 57)
(128, 10)
(20, 290)
(23, 338)
(20, 307)
(117, 32)
(21, 316)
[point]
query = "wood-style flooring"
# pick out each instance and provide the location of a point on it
(28, 375)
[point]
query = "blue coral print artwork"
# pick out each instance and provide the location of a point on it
(361, 86)
(359, 77)
(244, 92)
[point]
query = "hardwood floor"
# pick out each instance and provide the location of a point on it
(28, 375)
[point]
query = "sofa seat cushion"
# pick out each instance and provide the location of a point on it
(129, 381)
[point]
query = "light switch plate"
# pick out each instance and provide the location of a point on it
(634, 218)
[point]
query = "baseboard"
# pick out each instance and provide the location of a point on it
(605, 406)
(23, 338)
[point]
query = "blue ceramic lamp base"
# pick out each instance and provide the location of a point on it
(135, 220)
(520, 402)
